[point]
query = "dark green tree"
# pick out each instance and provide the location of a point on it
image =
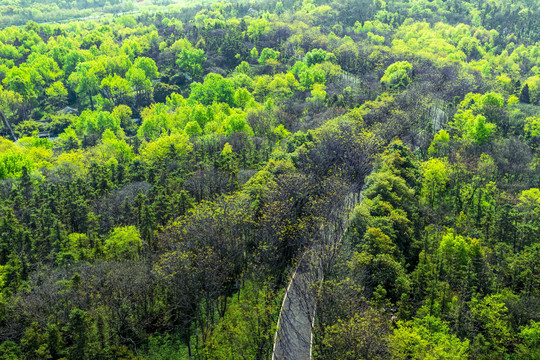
(524, 96)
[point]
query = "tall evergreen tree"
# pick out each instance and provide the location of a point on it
(525, 96)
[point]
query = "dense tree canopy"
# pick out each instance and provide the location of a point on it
(163, 170)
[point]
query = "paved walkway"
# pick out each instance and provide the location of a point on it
(293, 339)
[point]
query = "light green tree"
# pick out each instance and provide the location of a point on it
(57, 94)
(190, 60)
(175, 146)
(435, 174)
(491, 315)
(268, 54)
(428, 338)
(115, 88)
(397, 75)
(193, 128)
(85, 81)
(123, 243)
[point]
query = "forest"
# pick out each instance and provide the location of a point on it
(165, 168)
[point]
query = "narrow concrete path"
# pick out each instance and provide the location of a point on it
(293, 339)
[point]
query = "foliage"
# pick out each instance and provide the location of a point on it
(123, 243)
(163, 172)
(427, 338)
(397, 75)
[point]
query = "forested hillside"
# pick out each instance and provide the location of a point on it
(163, 172)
